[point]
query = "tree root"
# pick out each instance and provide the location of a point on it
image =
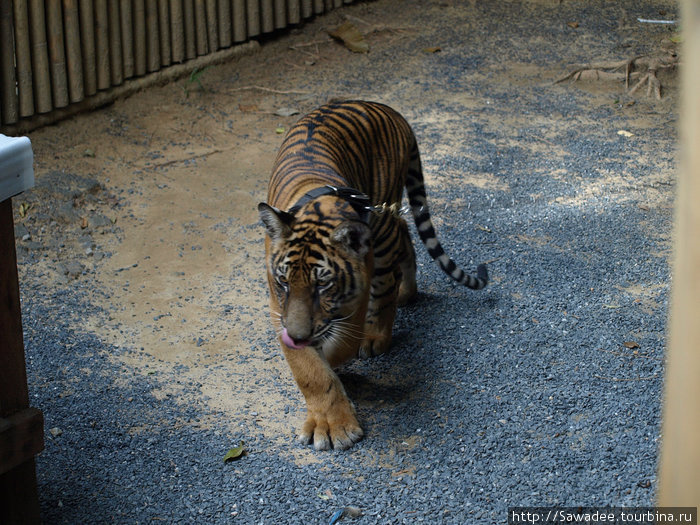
(640, 69)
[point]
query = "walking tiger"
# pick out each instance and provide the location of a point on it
(338, 254)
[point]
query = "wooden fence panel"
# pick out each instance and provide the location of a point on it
(68, 53)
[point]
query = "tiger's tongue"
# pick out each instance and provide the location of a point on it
(290, 342)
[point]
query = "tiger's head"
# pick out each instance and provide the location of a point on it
(319, 267)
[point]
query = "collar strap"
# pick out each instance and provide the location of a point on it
(358, 200)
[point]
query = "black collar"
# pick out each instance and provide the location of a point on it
(358, 200)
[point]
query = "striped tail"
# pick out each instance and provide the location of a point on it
(419, 207)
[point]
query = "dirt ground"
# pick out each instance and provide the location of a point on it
(151, 202)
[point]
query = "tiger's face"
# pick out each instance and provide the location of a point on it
(318, 267)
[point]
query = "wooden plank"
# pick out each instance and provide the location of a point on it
(8, 94)
(74, 61)
(13, 376)
(19, 498)
(21, 438)
(25, 89)
(679, 474)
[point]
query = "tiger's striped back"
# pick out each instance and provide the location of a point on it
(370, 147)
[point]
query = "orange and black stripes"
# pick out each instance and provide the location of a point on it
(367, 146)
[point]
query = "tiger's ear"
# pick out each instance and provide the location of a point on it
(277, 222)
(353, 236)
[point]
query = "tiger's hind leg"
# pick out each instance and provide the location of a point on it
(393, 284)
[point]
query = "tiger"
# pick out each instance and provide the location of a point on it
(338, 253)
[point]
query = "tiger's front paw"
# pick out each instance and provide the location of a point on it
(339, 429)
(374, 345)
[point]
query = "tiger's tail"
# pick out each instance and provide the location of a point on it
(418, 201)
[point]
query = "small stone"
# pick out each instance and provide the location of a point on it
(55, 431)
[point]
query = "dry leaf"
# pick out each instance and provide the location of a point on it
(247, 108)
(235, 453)
(351, 37)
(572, 25)
(630, 344)
(84, 223)
(625, 133)
(435, 49)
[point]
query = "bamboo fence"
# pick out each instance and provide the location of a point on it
(58, 54)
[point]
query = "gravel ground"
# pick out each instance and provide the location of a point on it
(543, 389)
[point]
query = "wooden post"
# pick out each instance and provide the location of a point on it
(679, 475)
(19, 500)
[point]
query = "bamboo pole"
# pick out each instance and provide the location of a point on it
(87, 46)
(212, 29)
(57, 54)
(280, 14)
(140, 41)
(40, 57)
(102, 64)
(318, 7)
(679, 473)
(224, 19)
(152, 45)
(177, 31)
(8, 96)
(293, 12)
(238, 18)
(307, 8)
(190, 32)
(74, 61)
(267, 16)
(115, 43)
(200, 27)
(132, 86)
(25, 89)
(127, 32)
(253, 12)
(164, 26)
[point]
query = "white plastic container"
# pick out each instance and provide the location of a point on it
(16, 166)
